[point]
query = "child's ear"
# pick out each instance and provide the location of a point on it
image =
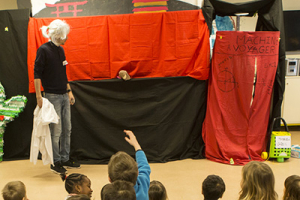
(109, 179)
(77, 189)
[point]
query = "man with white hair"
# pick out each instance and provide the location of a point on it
(50, 70)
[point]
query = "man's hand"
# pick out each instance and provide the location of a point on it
(71, 98)
(132, 140)
(39, 101)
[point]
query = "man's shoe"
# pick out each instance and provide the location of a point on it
(71, 164)
(58, 168)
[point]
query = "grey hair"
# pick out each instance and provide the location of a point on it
(57, 29)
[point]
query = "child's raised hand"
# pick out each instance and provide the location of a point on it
(131, 139)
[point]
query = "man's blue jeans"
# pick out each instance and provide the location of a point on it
(61, 132)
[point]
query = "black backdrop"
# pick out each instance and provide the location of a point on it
(14, 78)
(166, 114)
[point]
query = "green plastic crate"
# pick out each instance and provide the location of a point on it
(280, 145)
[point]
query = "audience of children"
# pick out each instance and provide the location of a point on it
(118, 190)
(77, 184)
(292, 188)
(14, 190)
(213, 187)
(122, 166)
(157, 191)
(257, 182)
(130, 180)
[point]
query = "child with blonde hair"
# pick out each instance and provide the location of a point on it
(257, 182)
(14, 190)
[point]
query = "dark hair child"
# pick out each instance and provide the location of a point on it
(157, 191)
(213, 187)
(292, 188)
(77, 184)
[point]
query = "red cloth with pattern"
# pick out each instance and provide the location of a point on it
(235, 127)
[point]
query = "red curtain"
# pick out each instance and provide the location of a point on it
(146, 45)
(235, 126)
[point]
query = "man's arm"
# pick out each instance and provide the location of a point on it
(38, 94)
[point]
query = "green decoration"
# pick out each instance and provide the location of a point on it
(9, 109)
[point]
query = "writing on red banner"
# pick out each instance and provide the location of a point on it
(254, 45)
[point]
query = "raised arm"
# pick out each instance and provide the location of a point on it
(132, 140)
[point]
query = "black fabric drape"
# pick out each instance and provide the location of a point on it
(166, 114)
(270, 18)
(14, 78)
(223, 8)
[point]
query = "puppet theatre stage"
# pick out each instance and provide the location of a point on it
(165, 102)
(165, 113)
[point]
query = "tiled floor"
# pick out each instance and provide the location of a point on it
(182, 179)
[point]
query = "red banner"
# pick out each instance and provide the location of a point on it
(239, 93)
(146, 45)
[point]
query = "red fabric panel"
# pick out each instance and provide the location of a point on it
(146, 45)
(233, 127)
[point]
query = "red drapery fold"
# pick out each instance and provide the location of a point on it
(146, 45)
(235, 126)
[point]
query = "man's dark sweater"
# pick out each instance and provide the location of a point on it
(50, 69)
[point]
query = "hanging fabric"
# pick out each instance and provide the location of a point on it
(239, 94)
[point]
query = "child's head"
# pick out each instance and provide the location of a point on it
(78, 184)
(292, 188)
(79, 197)
(290, 179)
(213, 187)
(14, 190)
(122, 166)
(121, 190)
(257, 182)
(157, 191)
